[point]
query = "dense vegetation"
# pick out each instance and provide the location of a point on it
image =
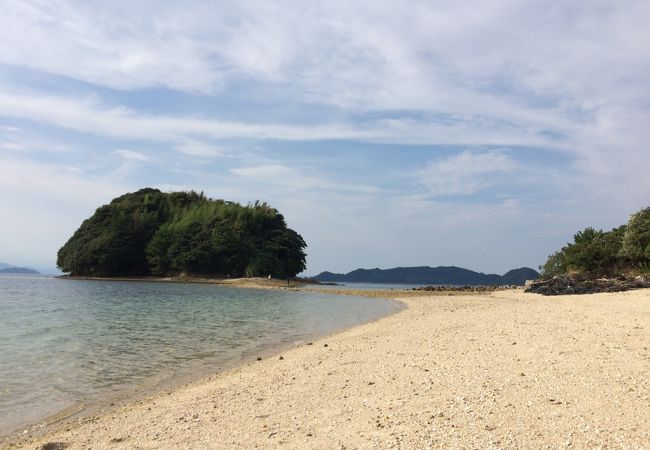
(597, 252)
(151, 232)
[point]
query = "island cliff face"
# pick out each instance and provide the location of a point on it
(431, 275)
(149, 232)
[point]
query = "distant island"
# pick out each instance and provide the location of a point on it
(430, 275)
(18, 271)
(149, 232)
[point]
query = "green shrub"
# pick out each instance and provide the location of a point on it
(592, 251)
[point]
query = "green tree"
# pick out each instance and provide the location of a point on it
(623, 249)
(592, 251)
(636, 240)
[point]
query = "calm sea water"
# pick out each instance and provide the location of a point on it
(366, 286)
(72, 342)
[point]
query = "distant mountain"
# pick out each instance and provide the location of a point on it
(519, 276)
(5, 265)
(18, 270)
(430, 275)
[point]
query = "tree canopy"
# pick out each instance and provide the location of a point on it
(636, 241)
(622, 249)
(151, 232)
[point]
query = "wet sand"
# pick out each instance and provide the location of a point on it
(498, 370)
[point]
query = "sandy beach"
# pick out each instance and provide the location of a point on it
(497, 370)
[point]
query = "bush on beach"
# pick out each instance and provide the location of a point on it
(602, 253)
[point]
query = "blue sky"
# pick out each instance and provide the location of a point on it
(478, 134)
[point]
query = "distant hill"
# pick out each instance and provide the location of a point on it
(18, 270)
(519, 276)
(430, 275)
(5, 265)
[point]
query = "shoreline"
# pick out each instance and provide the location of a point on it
(168, 383)
(81, 412)
(306, 286)
(504, 369)
(253, 282)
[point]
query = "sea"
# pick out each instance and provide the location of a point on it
(70, 345)
(357, 286)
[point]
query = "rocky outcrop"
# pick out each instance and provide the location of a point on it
(566, 285)
(489, 288)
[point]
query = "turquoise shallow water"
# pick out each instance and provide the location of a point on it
(71, 342)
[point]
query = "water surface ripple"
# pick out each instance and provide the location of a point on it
(66, 342)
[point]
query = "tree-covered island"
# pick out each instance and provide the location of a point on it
(149, 232)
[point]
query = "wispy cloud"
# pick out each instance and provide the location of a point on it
(47, 202)
(90, 116)
(267, 172)
(200, 149)
(10, 146)
(465, 173)
(299, 179)
(131, 155)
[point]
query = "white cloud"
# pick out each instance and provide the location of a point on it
(110, 45)
(11, 146)
(264, 172)
(291, 180)
(131, 155)
(10, 129)
(465, 173)
(371, 54)
(200, 149)
(90, 116)
(47, 203)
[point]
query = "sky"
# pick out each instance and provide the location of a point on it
(477, 134)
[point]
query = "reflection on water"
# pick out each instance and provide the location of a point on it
(63, 342)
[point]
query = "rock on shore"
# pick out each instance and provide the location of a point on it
(566, 285)
(467, 288)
